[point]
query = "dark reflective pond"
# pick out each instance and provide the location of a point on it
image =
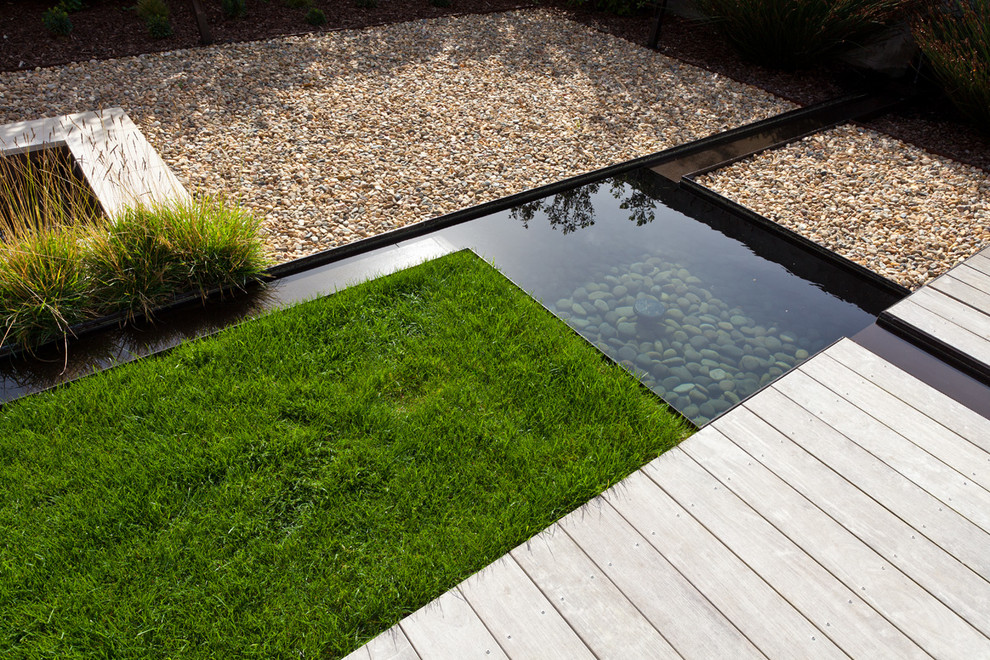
(703, 306)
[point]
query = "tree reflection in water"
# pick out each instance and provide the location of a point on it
(574, 209)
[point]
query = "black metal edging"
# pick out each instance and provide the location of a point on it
(712, 197)
(936, 347)
(802, 123)
(119, 319)
(650, 160)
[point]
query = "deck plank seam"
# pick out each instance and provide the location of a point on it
(683, 454)
(898, 433)
(890, 378)
(946, 285)
(871, 543)
(980, 455)
(933, 299)
(560, 529)
(550, 600)
(852, 591)
(616, 511)
(858, 369)
(669, 563)
(895, 474)
(925, 485)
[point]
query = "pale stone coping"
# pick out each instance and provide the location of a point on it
(118, 163)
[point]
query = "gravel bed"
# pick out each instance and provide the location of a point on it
(340, 136)
(894, 208)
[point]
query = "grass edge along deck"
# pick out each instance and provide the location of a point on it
(811, 520)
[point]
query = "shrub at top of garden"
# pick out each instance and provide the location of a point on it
(791, 34)
(956, 39)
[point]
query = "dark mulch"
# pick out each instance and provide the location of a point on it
(111, 28)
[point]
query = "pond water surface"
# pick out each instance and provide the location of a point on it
(703, 306)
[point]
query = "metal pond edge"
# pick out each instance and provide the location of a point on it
(710, 143)
(813, 119)
(936, 347)
(889, 286)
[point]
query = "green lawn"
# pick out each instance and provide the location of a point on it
(296, 485)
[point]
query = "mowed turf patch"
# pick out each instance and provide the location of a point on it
(297, 484)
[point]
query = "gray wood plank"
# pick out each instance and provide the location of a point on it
(835, 608)
(925, 512)
(391, 645)
(359, 654)
(448, 628)
(980, 261)
(938, 441)
(974, 320)
(969, 275)
(945, 410)
(762, 614)
(914, 611)
(661, 593)
(928, 321)
(519, 616)
(942, 575)
(591, 604)
(955, 288)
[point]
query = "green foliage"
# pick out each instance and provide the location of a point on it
(297, 484)
(71, 5)
(40, 190)
(56, 21)
(618, 7)
(159, 27)
(42, 286)
(233, 8)
(791, 34)
(148, 8)
(150, 253)
(56, 275)
(956, 40)
(315, 16)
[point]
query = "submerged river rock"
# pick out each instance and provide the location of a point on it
(700, 353)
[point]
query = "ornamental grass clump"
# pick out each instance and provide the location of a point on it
(63, 261)
(149, 253)
(41, 189)
(791, 34)
(43, 286)
(956, 40)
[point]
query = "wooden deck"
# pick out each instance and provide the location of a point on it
(844, 511)
(954, 309)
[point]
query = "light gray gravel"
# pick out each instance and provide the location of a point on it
(346, 135)
(896, 209)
